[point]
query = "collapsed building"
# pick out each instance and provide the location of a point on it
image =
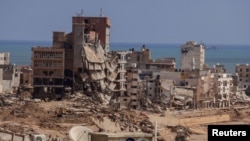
(81, 61)
(65, 63)
(192, 56)
(243, 71)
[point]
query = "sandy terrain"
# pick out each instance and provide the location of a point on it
(30, 117)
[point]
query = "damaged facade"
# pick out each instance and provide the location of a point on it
(81, 61)
(64, 64)
(192, 56)
(243, 71)
(4, 58)
(48, 71)
(9, 76)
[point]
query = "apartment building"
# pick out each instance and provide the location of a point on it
(63, 64)
(162, 64)
(192, 56)
(141, 58)
(48, 71)
(243, 71)
(223, 89)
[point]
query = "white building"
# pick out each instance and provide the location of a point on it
(4, 58)
(192, 56)
(10, 78)
(223, 86)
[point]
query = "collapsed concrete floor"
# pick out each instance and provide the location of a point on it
(20, 114)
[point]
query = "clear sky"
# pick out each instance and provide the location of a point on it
(149, 21)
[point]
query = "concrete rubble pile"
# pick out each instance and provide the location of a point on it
(126, 120)
(181, 132)
(98, 72)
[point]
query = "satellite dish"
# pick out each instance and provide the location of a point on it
(79, 133)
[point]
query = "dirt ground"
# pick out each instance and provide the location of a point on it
(29, 117)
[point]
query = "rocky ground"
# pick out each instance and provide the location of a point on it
(21, 114)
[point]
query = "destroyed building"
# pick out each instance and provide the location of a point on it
(223, 90)
(25, 75)
(192, 56)
(4, 58)
(162, 64)
(243, 71)
(141, 58)
(9, 76)
(62, 65)
(218, 68)
(48, 71)
(144, 62)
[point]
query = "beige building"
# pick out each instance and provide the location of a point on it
(192, 56)
(223, 89)
(62, 64)
(218, 68)
(48, 71)
(10, 78)
(26, 77)
(162, 64)
(4, 58)
(134, 93)
(243, 71)
(141, 58)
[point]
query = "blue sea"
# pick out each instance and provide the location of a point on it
(227, 55)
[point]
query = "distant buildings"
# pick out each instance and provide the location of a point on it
(243, 71)
(192, 56)
(4, 58)
(144, 62)
(81, 61)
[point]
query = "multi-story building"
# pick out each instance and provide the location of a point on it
(62, 64)
(10, 78)
(162, 64)
(48, 71)
(141, 58)
(26, 77)
(223, 89)
(218, 68)
(120, 90)
(4, 58)
(134, 89)
(192, 56)
(243, 71)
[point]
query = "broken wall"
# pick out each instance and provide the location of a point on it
(78, 31)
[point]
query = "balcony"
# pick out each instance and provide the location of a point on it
(120, 61)
(121, 80)
(122, 70)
